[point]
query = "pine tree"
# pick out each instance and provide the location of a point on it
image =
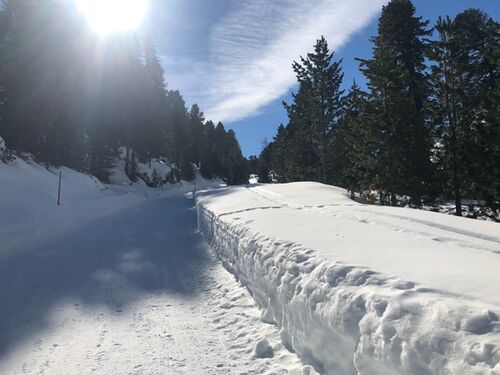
(207, 168)
(236, 171)
(281, 156)
(253, 164)
(196, 121)
(398, 101)
(479, 68)
(265, 163)
(465, 77)
(303, 160)
(67, 104)
(40, 79)
(177, 128)
(446, 104)
(318, 104)
(352, 145)
(155, 109)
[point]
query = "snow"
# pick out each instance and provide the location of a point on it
(117, 280)
(145, 171)
(362, 289)
(29, 214)
(119, 177)
(156, 165)
(254, 179)
(28, 202)
(142, 294)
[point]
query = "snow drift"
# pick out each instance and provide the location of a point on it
(359, 289)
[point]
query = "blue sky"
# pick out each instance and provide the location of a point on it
(233, 57)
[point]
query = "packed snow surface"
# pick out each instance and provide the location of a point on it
(362, 289)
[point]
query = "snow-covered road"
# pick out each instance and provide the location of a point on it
(134, 292)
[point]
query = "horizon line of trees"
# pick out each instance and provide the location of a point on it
(427, 127)
(69, 97)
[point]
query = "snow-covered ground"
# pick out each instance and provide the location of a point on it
(362, 289)
(136, 292)
(117, 280)
(29, 213)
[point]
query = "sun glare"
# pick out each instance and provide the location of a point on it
(111, 16)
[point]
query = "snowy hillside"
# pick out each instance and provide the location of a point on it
(28, 201)
(362, 289)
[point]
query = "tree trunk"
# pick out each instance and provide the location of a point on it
(394, 201)
(127, 161)
(454, 156)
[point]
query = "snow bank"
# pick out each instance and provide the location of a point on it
(362, 289)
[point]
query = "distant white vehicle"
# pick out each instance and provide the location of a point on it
(254, 179)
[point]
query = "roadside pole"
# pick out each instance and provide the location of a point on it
(195, 181)
(59, 190)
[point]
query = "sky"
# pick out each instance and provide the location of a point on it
(233, 57)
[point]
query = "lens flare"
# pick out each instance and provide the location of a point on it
(111, 16)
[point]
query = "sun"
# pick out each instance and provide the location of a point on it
(112, 16)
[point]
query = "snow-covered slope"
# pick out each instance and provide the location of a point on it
(29, 213)
(363, 289)
(147, 170)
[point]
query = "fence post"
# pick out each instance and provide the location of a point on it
(59, 190)
(195, 180)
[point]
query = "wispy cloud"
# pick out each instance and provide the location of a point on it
(251, 50)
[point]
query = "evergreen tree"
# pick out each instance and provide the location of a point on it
(303, 160)
(352, 145)
(281, 157)
(177, 128)
(154, 130)
(236, 170)
(69, 97)
(219, 145)
(196, 121)
(398, 101)
(465, 74)
(479, 70)
(207, 167)
(317, 105)
(265, 163)
(40, 89)
(253, 164)
(445, 106)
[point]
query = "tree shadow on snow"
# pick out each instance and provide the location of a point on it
(152, 248)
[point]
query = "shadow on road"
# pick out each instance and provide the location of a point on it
(147, 249)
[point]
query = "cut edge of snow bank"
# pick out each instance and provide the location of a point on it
(344, 319)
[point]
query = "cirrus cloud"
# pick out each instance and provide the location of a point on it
(252, 47)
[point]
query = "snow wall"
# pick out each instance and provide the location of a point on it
(350, 320)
